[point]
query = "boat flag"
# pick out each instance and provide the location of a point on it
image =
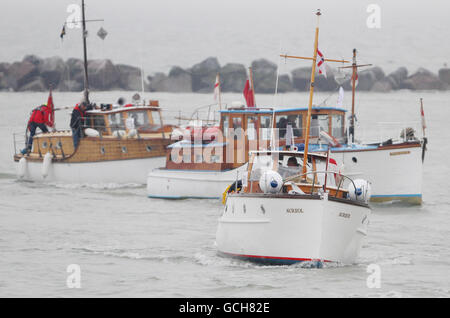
(217, 88)
(249, 94)
(63, 32)
(321, 63)
(51, 107)
(422, 115)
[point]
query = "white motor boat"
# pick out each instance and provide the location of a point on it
(284, 216)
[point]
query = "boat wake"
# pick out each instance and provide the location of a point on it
(96, 186)
(133, 255)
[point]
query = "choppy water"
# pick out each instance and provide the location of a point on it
(129, 245)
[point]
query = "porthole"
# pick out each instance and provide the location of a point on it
(148, 148)
(245, 209)
(124, 149)
(44, 144)
(102, 150)
(354, 160)
(58, 145)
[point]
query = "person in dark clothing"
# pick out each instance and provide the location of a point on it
(40, 118)
(77, 122)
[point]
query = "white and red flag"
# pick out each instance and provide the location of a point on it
(422, 115)
(217, 88)
(321, 63)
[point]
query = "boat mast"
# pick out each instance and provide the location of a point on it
(311, 94)
(86, 77)
(354, 72)
(311, 89)
(354, 68)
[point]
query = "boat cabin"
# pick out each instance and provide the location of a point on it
(289, 166)
(110, 121)
(129, 132)
(250, 129)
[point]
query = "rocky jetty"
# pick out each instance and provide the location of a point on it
(36, 74)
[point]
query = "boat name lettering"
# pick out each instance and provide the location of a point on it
(294, 210)
(345, 215)
(400, 153)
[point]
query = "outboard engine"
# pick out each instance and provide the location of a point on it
(362, 192)
(271, 182)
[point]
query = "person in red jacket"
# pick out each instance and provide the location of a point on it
(40, 118)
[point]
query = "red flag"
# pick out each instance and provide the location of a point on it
(249, 95)
(51, 108)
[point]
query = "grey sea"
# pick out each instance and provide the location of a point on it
(126, 244)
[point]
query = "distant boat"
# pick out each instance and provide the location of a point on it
(121, 143)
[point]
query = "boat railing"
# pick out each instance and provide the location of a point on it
(342, 179)
(19, 139)
(382, 132)
(208, 115)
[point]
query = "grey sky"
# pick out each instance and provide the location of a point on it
(160, 33)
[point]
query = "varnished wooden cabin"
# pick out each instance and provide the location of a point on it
(250, 129)
(121, 133)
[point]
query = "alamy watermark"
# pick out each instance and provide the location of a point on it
(374, 279)
(74, 278)
(74, 19)
(374, 19)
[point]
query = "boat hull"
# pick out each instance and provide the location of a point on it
(101, 172)
(185, 184)
(286, 229)
(395, 172)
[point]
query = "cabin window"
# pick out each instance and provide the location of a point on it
(98, 123)
(156, 119)
(266, 127)
(225, 125)
(295, 121)
(251, 127)
(116, 121)
(237, 126)
(337, 126)
(142, 122)
(318, 123)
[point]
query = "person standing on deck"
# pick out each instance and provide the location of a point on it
(77, 122)
(40, 118)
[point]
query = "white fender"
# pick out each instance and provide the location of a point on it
(132, 133)
(22, 168)
(91, 132)
(119, 133)
(363, 190)
(271, 182)
(47, 162)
